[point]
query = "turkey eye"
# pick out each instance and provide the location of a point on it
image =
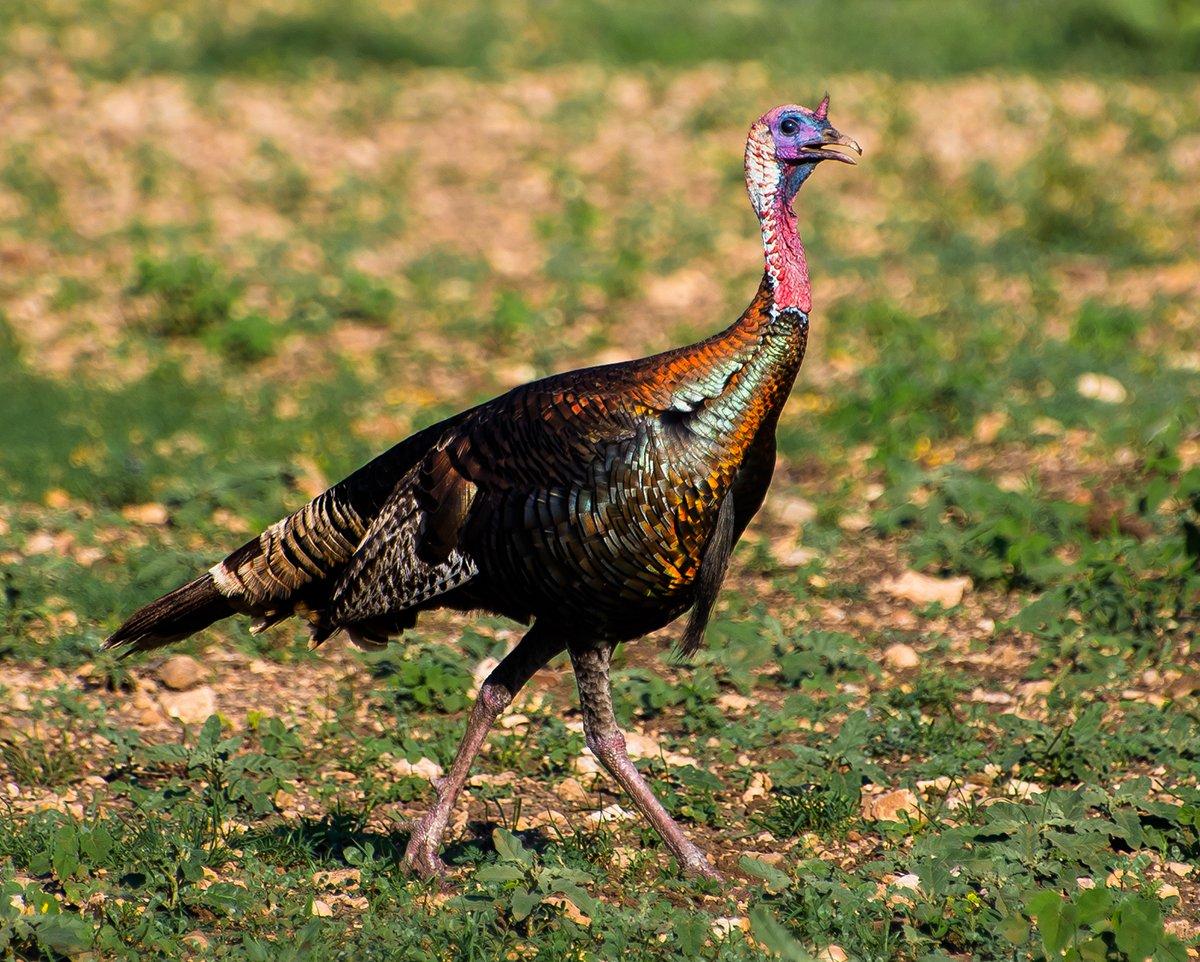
(788, 127)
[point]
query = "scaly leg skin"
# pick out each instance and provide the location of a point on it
(495, 695)
(607, 742)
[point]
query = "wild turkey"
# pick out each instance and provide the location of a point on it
(597, 505)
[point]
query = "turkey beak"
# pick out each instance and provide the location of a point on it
(833, 139)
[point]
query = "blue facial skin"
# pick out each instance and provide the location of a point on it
(803, 140)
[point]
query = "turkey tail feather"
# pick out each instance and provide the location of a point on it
(172, 617)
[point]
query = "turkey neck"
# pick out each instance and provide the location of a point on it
(752, 364)
(786, 265)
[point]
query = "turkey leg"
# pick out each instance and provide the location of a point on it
(607, 742)
(496, 694)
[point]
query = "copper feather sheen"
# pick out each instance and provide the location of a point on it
(585, 497)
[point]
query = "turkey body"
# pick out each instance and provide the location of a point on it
(598, 505)
(583, 498)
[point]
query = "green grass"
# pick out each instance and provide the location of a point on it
(939, 37)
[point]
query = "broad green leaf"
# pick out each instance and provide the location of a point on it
(500, 872)
(64, 851)
(509, 847)
(776, 880)
(523, 902)
(1046, 907)
(1138, 927)
(771, 933)
(63, 934)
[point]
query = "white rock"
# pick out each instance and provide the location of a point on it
(425, 768)
(901, 656)
(923, 589)
(151, 513)
(1101, 387)
(641, 746)
(854, 521)
(760, 785)
(613, 813)
(1022, 789)
(570, 790)
(586, 765)
(792, 511)
(181, 672)
(733, 703)
(41, 542)
(481, 672)
(723, 925)
(515, 720)
(190, 707)
(897, 805)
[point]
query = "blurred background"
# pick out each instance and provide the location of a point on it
(245, 246)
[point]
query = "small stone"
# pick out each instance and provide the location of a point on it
(901, 657)
(641, 746)
(570, 790)
(1168, 891)
(733, 703)
(1032, 690)
(924, 590)
(723, 925)
(569, 909)
(991, 697)
(151, 513)
(1024, 790)
(909, 881)
(321, 909)
(613, 813)
(789, 555)
(1100, 387)
(1184, 685)
(510, 722)
(150, 718)
(338, 878)
(88, 556)
(1179, 868)
(760, 785)
(832, 953)
(482, 670)
(40, 543)
(854, 522)
(190, 707)
(181, 672)
(548, 816)
(897, 805)
(487, 779)
(586, 766)
(425, 768)
(792, 511)
(196, 940)
(1085, 883)
(988, 427)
